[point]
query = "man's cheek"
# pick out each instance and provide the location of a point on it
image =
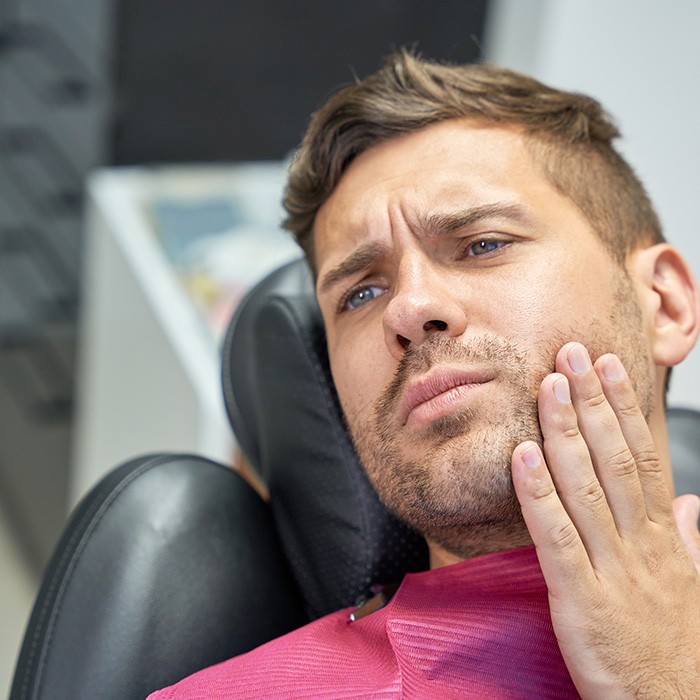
(350, 386)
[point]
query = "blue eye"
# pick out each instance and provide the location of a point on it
(483, 247)
(361, 296)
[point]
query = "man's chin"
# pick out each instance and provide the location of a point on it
(466, 518)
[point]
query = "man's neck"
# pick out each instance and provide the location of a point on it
(441, 556)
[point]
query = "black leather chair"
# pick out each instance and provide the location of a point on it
(173, 563)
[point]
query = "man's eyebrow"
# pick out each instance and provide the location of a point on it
(436, 225)
(431, 226)
(360, 259)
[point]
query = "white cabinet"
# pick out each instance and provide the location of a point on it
(148, 360)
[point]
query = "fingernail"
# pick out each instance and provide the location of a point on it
(561, 390)
(613, 370)
(531, 457)
(578, 359)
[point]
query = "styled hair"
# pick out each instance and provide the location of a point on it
(569, 135)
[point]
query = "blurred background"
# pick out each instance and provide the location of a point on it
(142, 157)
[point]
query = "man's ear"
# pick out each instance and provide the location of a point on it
(669, 299)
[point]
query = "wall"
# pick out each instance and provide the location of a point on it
(243, 77)
(641, 58)
(54, 98)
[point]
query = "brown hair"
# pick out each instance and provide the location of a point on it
(569, 135)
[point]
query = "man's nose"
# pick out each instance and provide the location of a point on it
(426, 300)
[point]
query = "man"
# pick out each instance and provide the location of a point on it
(501, 313)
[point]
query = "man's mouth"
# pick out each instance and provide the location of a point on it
(438, 393)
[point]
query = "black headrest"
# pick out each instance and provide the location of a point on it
(684, 443)
(279, 394)
(338, 537)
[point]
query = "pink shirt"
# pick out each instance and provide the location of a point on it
(478, 629)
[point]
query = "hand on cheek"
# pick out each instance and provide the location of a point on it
(624, 592)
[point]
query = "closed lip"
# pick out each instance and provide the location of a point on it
(435, 382)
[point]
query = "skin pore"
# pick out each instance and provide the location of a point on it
(450, 272)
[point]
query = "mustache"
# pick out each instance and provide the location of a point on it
(493, 351)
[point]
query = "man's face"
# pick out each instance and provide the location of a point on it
(449, 274)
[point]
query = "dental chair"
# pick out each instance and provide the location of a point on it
(173, 562)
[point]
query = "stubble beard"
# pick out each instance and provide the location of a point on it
(459, 493)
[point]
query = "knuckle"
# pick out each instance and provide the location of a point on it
(594, 401)
(622, 463)
(571, 432)
(590, 494)
(563, 535)
(628, 408)
(542, 490)
(647, 461)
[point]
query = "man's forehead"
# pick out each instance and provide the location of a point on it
(430, 175)
(385, 162)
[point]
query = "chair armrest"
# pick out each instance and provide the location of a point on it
(169, 565)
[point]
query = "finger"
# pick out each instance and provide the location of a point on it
(569, 463)
(686, 510)
(611, 456)
(560, 550)
(623, 400)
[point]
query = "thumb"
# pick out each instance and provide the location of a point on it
(686, 510)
